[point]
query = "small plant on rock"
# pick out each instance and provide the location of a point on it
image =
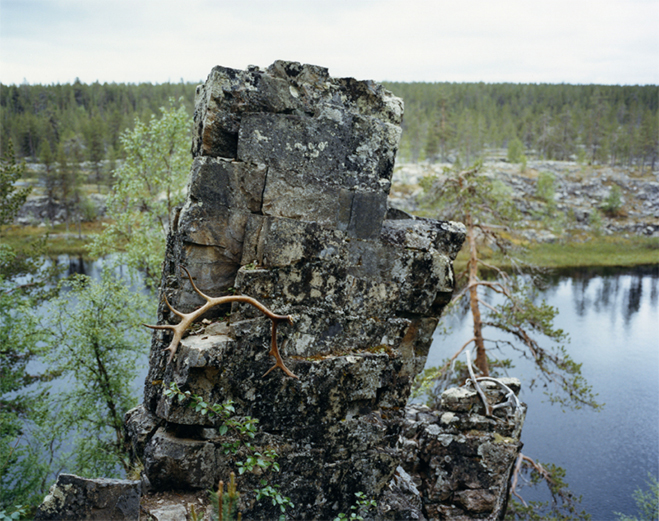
(244, 429)
(362, 506)
(225, 503)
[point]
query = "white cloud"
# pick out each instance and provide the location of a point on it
(577, 41)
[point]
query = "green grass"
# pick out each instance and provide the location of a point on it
(598, 252)
(594, 252)
(59, 241)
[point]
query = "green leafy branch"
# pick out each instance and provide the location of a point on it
(272, 492)
(362, 505)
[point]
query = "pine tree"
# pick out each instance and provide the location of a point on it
(486, 208)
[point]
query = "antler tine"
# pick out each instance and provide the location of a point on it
(188, 318)
(177, 313)
(164, 326)
(194, 286)
(274, 350)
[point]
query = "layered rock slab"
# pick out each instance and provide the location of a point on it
(74, 497)
(287, 204)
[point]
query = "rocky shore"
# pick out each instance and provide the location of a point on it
(578, 192)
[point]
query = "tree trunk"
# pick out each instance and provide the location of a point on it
(481, 356)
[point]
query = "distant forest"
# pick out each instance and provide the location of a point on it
(597, 124)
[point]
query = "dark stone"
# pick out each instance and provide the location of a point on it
(73, 497)
(459, 459)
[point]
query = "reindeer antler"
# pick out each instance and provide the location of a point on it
(188, 318)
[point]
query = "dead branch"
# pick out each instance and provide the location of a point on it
(187, 320)
(499, 271)
(491, 308)
(488, 409)
(494, 286)
(457, 353)
(544, 474)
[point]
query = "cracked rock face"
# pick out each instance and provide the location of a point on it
(287, 203)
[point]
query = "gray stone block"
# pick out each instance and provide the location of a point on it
(312, 153)
(73, 497)
(231, 184)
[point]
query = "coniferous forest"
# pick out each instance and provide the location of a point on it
(597, 124)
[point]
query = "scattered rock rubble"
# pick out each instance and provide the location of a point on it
(579, 190)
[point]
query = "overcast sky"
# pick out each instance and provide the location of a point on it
(553, 41)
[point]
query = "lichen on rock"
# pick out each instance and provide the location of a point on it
(287, 203)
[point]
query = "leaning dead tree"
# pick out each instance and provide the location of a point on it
(187, 319)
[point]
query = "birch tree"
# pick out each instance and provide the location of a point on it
(148, 185)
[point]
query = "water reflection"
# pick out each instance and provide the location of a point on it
(611, 290)
(611, 317)
(76, 266)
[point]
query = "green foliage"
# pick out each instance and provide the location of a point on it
(602, 123)
(258, 460)
(546, 189)
(22, 471)
(523, 162)
(477, 199)
(595, 221)
(524, 318)
(612, 204)
(13, 514)
(457, 193)
(647, 502)
(147, 187)
(272, 492)
(225, 503)
(359, 509)
(20, 474)
(95, 343)
(33, 115)
(244, 429)
(11, 197)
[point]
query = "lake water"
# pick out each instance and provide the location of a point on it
(612, 318)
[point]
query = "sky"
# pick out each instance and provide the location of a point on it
(520, 41)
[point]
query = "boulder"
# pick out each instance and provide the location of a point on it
(73, 497)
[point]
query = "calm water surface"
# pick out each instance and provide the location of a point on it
(613, 322)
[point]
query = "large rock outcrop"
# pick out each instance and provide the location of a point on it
(287, 203)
